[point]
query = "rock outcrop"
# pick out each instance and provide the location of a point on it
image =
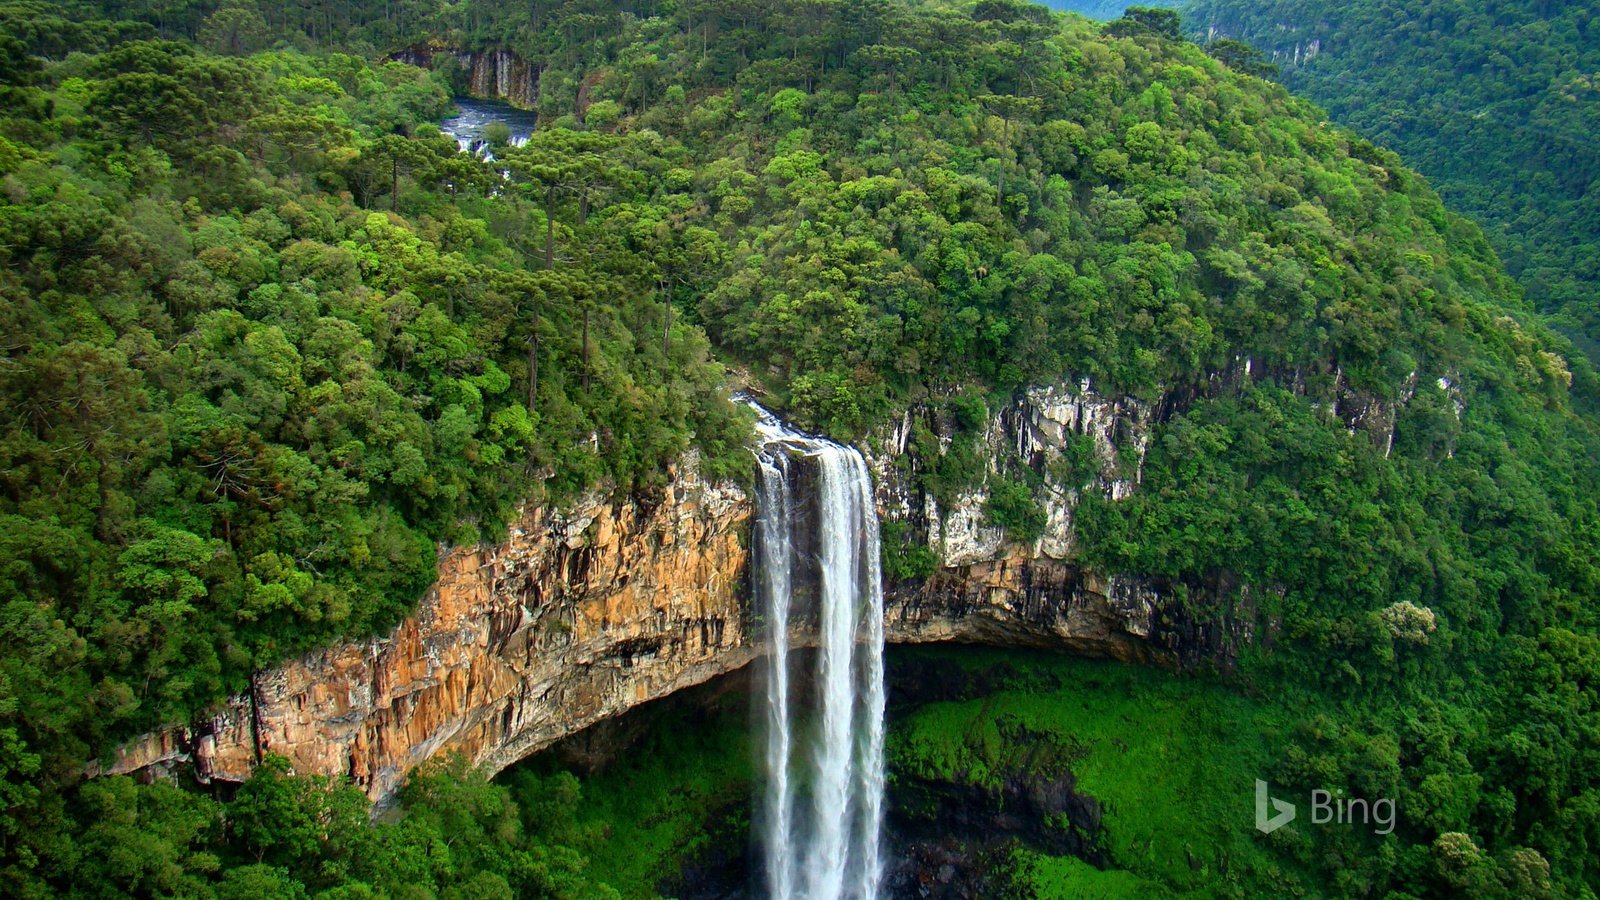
(488, 74)
(577, 616)
(582, 614)
(990, 589)
(1035, 432)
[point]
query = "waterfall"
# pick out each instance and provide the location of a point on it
(776, 550)
(822, 809)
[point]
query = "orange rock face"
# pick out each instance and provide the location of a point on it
(579, 615)
(585, 613)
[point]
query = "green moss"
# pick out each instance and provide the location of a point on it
(1171, 759)
(1048, 877)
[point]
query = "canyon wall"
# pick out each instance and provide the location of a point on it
(488, 74)
(582, 614)
(991, 589)
(575, 617)
(1294, 45)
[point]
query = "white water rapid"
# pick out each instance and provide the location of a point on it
(822, 810)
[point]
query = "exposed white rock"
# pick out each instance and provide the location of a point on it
(1032, 432)
(1060, 538)
(965, 535)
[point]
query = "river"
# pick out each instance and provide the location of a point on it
(474, 116)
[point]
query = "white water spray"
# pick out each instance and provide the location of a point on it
(823, 807)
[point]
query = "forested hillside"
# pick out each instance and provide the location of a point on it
(270, 337)
(1498, 103)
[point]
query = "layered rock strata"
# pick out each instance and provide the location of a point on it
(577, 616)
(488, 74)
(582, 614)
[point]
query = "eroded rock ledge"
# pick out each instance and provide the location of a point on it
(576, 617)
(583, 614)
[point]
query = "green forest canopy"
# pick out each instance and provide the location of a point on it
(272, 342)
(1498, 103)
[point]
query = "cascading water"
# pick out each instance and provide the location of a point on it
(473, 118)
(823, 806)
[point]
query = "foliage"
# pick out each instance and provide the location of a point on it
(1040, 877)
(904, 557)
(274, 339)
(455, 835)
(1170, 763)
(679, 795)
(266, 354)
(1011, 506)
(1416, 593)
(1012, 198)
(1497, 103)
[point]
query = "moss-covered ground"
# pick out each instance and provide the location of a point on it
(680, 796)
(1170, 759)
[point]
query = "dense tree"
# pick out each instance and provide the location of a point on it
(1496, 103)
(1241, 57)
(1150, 19)
(264, 362)
(275, 340)
(237, 28)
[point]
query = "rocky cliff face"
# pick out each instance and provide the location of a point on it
(990, 589)
(582, 614)
(488, 74)
(1076, 442)
(578, 616)
(1294, 45)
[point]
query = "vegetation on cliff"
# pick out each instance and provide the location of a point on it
(268, 342)
(272, 337)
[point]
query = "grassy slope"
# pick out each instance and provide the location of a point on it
(1171, 759)
(1066, 876)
